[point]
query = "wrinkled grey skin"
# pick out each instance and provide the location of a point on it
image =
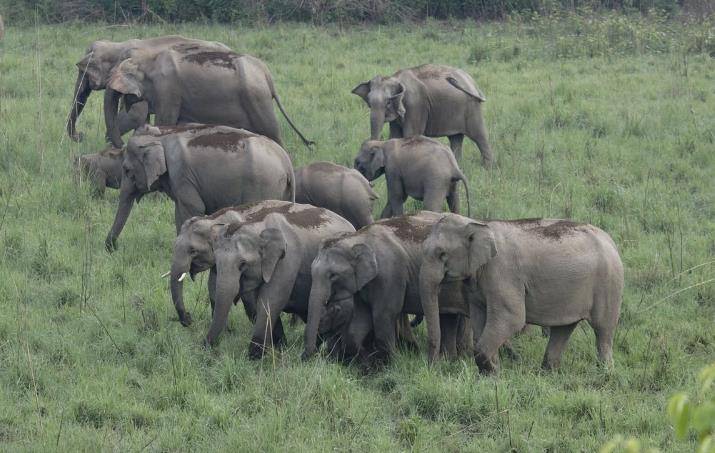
(102, 169)
(379, 265)
(202, 169)
(93, 72)
(266, 261)
(202, 84)
(419, 167)
(340, 189)
(551, 273)
(431, 100)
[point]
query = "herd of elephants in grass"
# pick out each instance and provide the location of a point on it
(303, 241)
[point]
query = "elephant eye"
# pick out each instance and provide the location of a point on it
(333, 277)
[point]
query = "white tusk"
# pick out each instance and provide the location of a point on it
(165, 275)
(182, 276)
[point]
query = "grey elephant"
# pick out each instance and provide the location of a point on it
(551, 273)
(265, 260)
(431, 100)
(340, 189)
(419, 167)
(202, 169)
(195, 83)
(94, 69)
(102, 169)
(378, 266)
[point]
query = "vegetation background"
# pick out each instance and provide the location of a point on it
(602, 117)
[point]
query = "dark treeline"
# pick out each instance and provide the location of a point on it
(319, 11)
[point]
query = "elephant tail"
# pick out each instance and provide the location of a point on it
(291, 183)
(306, 142)
(476, 95)
(463, 178)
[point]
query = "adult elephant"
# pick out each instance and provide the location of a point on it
(379, 266)
(203, 169)
(94, 69)
(195, 83)
(265, 261)
(551, 273)
(431, 100)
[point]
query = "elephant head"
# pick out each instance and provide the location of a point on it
(385, 97)
(456, 248)
(339, 271)
(92, 74)
(370, 161)
(246, 257)
(144, 163)
(127, 79)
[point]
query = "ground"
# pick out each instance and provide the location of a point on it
(608, 122)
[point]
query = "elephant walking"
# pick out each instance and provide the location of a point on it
(551, 273)
(202, 169)
(431, 100)
(195, 83)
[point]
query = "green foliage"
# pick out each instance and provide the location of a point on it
(696, 414)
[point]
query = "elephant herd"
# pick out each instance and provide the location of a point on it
(303, 241)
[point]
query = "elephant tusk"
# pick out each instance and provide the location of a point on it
(182, 277)
(166, 274)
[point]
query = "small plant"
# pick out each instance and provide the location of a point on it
(696, 414)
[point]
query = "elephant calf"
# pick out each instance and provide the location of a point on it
(103, 169)
(203, 169)
(340, 189)
(551, 273)
(419, 167)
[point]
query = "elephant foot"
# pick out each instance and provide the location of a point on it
(185, 319)
(510, 352)
(77, 137)
(485, 365)
(550, 364)
(110, 244)
(255, 350)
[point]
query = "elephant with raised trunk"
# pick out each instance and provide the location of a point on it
(551, 273)
(94, 69)
(202, 169)
(379, 266)
(431, 100)
(265, 260)
(196, 83)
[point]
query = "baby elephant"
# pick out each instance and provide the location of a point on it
(339, 189)
(103, 169)
(419, 167)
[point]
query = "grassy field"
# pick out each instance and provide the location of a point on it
(607, 121)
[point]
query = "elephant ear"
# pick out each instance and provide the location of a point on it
(365, 264)
(273, 247)
(154, 162)
(362, 90)
(396, 104)
(126, 78)
(482, 245)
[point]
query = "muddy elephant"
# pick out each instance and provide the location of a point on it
(551, 273)
(102, 169)
(94, 69)
(193, 83)
(265, 260)
(431, 100)
(340, 189)
(202, 169)
(378, 266)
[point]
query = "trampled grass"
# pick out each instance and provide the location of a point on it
(616, 131)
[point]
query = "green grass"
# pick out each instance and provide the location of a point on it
(608, 122)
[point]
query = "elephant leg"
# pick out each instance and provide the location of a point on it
(271, 298)
(387, 211)
(455, 143)
(357, 331)
(167, 113)
(395, 130)
(405, 337)
(505, 316)
(249, 305)
(384, 325)
(189, 205)
(448, 343)
(478, 133)
(604, 343)
(434, 198)
(453, 198)
(557, 342)
(395, 198)
(212, 288)
(279, 337)
(465, 341)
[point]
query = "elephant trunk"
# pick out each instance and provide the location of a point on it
(319, 295)
(377, 120)
(111, 111)
(127, 195)
(82, 90)
(180, 265)
(431, 275)
(228, 285)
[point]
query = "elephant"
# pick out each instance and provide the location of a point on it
(547, 272)
(379, 266)
(431, 100)
(340, 189)
(417, 166)
(202, 169)
(103, 169)
(196, 83)
(96, 66)
(265, 260)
